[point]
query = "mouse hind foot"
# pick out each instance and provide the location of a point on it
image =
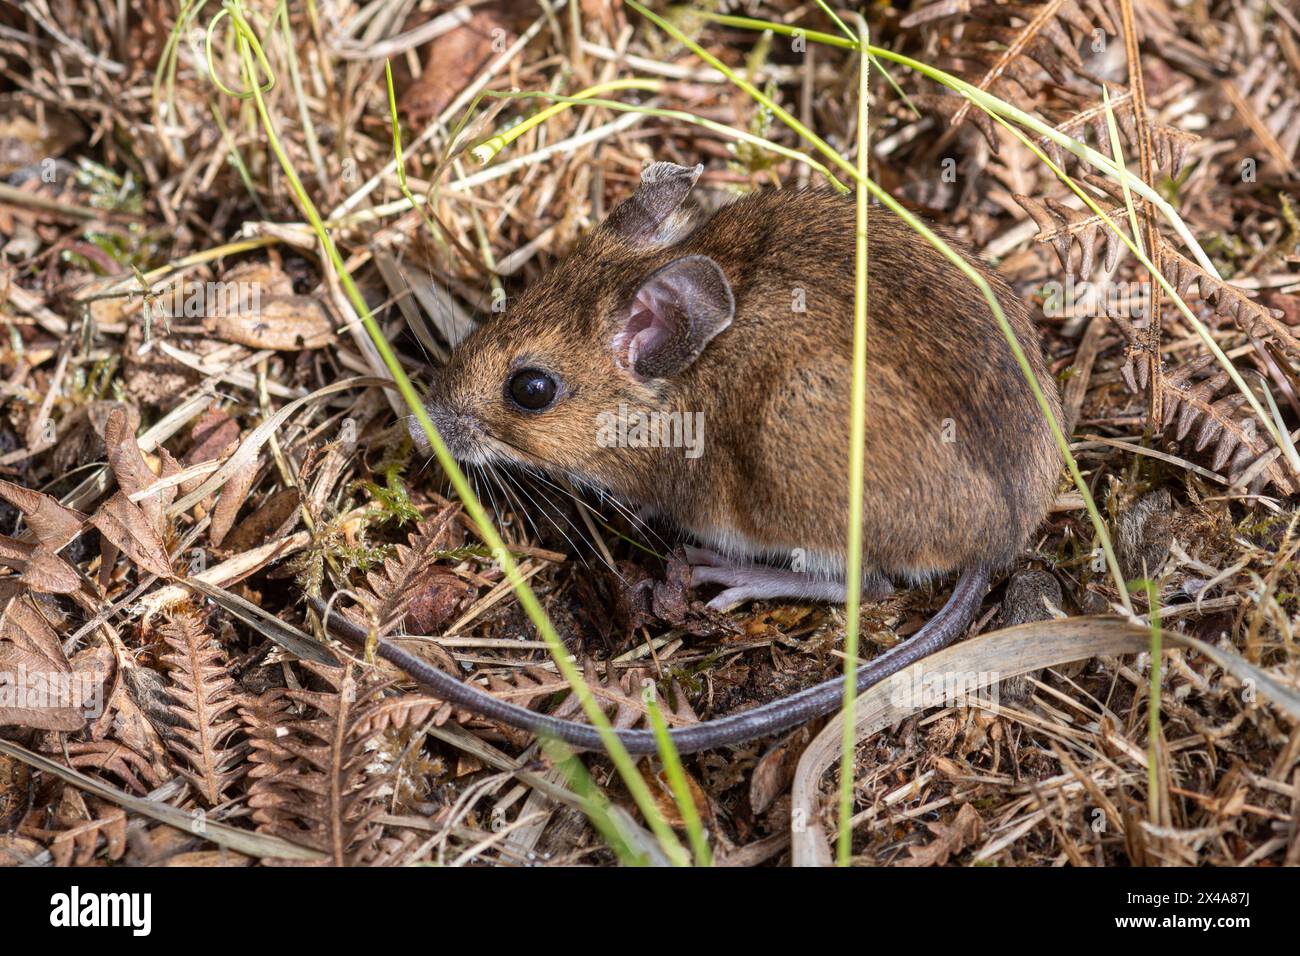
(742, 582)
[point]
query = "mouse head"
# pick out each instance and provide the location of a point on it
(616, 326)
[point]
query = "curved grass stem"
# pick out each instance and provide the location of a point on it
(944, 249)
(490, 147)
(249, 62)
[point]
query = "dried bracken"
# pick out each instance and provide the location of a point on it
(205, 699)
(77, 836)
(415, 573)
(1195, 398)
(1251, 317)
(319, 777)
(1170, 143)
(29, 645)
(1065, 228)
(1264, 100)
(1006, 48)
(115, 758)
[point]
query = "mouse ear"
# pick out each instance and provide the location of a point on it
(673, 316)
(647, 216)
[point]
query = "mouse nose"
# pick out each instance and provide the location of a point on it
(457, 431)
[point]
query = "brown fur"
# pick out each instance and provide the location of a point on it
(774, 388)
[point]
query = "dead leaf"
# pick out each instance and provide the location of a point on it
(81, 433)
(775, 770)
(283, 322)
(78, 830)
(267, 275)
(435, 603)
(37, 567)
(455, 58)
(18, 851)
(233, 494)
(37, 686)
(124, 524)
(153, 377)
(950, 838)
(132, 471)
(671, 596)
(266, 520)
(215, 436)
(667, 803)
(48, 573)
(24, 142)
(99, 412)
(52, 524)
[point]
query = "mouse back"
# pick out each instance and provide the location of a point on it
(738, 328)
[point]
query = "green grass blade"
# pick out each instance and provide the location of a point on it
(943, 248)
(857, 468)
(676, 774)
(248, 49)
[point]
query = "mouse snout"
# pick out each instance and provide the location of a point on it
(459, 431)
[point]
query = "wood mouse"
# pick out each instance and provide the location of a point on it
(742, 324)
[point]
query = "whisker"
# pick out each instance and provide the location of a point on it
(578, 552)
(492, 500)
(515, 502)
(591, 535)
(602, 550)
(632, 517)
(530, 468)
(425, 465)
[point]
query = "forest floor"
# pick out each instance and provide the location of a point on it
(179, 471)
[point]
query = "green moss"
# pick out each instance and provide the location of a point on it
(392, 499)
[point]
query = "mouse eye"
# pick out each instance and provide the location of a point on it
(532, 389)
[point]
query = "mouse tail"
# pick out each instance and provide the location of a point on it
(941, 630)
(779, 715)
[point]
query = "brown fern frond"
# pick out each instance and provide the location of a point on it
(1086, 120)
(75, 830)
(318, 777)
(394, 713)
(204, 698)
(525, 687)
(1088, 115)
(620, 695)
(618, 692)
(264, 717)
(1171, 147)
(1064, 229)
(528, 686)
(947, 107)
(1251, 317)
(1016, 43)
(1193, 398)
(116, 758)
(400, 578)
(1264, 98)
